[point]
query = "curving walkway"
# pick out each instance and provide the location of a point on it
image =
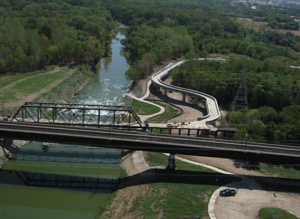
(213, 112)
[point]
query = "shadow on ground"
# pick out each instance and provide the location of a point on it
(209, 178)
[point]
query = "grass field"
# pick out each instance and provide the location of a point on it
(143, 108)
(170, 112)
(279, 171)
(27, 83)
(248, 23)
(275, 213)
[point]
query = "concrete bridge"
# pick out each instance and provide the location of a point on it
(140, 140)
(211, 104)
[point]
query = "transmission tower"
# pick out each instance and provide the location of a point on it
(240, 102)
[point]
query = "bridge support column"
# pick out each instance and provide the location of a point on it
(7, 148)
(165, 91)
(171, 163)
(183, 97)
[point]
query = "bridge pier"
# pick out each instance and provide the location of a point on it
(183, 97)
(171, 162)
(7, 148)
(165, 91)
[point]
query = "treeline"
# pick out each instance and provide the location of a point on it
(269, 83)
(163, 30)
(34, 34)
(273, 94)
(265, 123)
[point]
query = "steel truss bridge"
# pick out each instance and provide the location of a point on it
(58, 123)
(78, 115)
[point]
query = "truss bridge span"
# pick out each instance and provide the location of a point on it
(77, 115)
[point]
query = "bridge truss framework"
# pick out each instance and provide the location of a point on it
(78, 115)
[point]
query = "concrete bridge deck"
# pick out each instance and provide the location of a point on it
(150, 142)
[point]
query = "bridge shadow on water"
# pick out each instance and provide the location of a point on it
(209, 178)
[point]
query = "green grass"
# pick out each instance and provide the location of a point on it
(170, 112)
(6, 79)
(279, 171)
(275, 213)
(142, 108)
(28, 86)
(54, 94)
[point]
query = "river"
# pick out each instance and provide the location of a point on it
(109, 85)
(74, 166)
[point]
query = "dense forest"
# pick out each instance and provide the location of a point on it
(34, 33)
(161, 31)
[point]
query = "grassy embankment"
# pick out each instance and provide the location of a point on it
(25, 84)
(270, 213)
(142, 108)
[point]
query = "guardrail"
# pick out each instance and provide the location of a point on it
(158, 81)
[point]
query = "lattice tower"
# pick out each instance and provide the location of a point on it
(240, 102)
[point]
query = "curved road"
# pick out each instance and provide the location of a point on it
(213, 112)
